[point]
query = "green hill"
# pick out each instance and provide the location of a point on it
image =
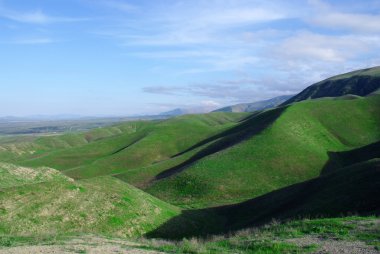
(354, 189)
(119, 148)
(234, 170)
(228, 158)
(293, 148)
(12, 175)
(360, 82)
(62, 206)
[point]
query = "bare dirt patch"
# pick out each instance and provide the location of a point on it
(94, 245)
(332, 246)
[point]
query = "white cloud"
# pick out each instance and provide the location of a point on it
(326, 16)
(210, 103)
(308, 46)
(356, 22)
(31, 41)
(34, 17)
(194, 22)
(227, 91)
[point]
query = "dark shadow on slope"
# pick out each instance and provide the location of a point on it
(252, 125)
(346, 158)
(138, 139)
(219, 135)
(350, 190)
(355, 85)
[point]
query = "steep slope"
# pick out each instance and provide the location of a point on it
(294, 148)
(347, 158)
(361, 82)
(254, 106)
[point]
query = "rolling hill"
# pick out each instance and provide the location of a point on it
(356, 190)
(360, 82)
(224, 155)
(199, 174)
(254, 106)
(59, 205)
(294, 147)
(116, 149)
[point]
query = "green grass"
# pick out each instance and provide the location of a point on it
(293, 149)
(274, 237)
(119, 148)
(222, 161)
(102, 205)
(353, 189)
(375, 72)
(12, 175)
(357, 83)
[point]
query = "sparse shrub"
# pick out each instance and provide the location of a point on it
(192, 245)
(5, 241)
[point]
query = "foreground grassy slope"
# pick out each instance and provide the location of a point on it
(102, 205)
(350, 190)
(332, 235)
(12, 175)
(293, 149)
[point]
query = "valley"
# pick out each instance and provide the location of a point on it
(295, 178)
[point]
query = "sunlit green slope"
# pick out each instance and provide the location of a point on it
(294, 148)
(60, 205)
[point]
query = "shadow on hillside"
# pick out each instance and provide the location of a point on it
(354, 85)
(351, 190)
(346, 158)
(252, 125)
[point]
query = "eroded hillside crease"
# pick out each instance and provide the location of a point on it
(248, 128)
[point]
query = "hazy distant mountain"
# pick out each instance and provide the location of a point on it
(185, 111)
(42, 118)
(174, 112)
(258, 105)
(360, 82)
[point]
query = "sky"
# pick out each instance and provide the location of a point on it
(132, 57)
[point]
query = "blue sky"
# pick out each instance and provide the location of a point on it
(127, 57)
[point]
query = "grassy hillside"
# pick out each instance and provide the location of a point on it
(360, 82)
(61, 206)
(119, 148)
(12, 175)
(350, 190)
(342, 159)
(294, 148)
(161, 142)
(230, 171)
(332, 235)
(228, 158)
